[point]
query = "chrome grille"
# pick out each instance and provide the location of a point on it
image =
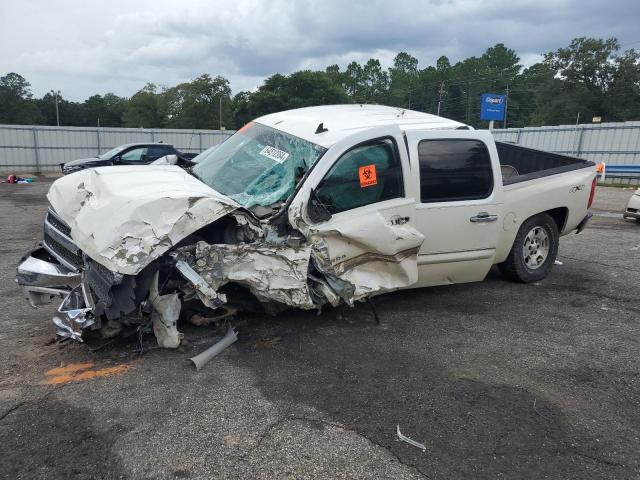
(58, 242)
(59, 224)
(56, 249)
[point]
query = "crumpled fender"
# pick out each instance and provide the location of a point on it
(126, 217)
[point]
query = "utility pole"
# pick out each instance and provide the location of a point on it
(468, 104)
(57, 112)
(440, 97)
(506, 107)
(220, 112)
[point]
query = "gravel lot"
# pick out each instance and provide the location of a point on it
(498, 380)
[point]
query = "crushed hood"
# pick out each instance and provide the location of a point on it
(126, 217)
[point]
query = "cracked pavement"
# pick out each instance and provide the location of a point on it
(498, 380)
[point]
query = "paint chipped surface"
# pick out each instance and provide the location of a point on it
(126, 217)
(80, 372)
(373, 255)
(273, 272)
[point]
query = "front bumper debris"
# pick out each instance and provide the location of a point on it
(42, 278)
(74, 315)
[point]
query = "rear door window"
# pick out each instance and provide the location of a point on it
(454, 169)
(366, 174)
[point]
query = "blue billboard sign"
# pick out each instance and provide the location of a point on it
(492, 106)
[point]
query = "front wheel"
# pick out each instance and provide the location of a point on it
(534, 250)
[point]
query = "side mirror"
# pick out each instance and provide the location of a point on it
(317, 211)
(115, 160)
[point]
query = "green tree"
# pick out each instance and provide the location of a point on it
(16, 103)
(106, 110)
(624, 92)
(70, 113)
(197, 104)
(282, 92)
(403, 81)
(146, 108)
(587, 68)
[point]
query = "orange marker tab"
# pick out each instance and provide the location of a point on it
(367, 176)
(246, 127)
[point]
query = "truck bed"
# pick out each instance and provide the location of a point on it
(520, 164)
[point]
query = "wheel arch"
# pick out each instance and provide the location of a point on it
(559, 216)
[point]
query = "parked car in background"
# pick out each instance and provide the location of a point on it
(128, 154)
(633, 207)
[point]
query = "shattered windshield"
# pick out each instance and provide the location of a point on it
(258, 166)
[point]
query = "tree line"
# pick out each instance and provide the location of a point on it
(588, 78)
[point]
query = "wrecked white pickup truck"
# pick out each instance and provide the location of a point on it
(321, 205)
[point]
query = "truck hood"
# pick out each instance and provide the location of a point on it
(126, 217)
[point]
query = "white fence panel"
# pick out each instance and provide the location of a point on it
(616, 143)
(36, 149)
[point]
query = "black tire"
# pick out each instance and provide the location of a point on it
(515, 267)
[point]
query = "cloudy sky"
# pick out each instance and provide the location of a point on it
(83, 47)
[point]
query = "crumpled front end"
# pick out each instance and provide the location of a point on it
(127, 257)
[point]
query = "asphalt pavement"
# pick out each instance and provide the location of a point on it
(496, 379)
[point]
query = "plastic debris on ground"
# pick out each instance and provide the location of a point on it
(409, 441)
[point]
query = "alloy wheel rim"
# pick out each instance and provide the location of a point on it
(535, 249)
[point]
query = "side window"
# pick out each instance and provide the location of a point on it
(366, 174)
(157, 151)
(454, 169)
(135, 155)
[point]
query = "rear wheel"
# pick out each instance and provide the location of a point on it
(534, 250)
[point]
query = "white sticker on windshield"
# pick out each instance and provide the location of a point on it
(274, 154)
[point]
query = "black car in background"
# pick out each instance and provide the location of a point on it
(128, 154)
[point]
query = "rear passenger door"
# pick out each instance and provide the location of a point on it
(460, 204)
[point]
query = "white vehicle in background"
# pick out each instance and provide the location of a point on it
(633, 207)
(315, 206)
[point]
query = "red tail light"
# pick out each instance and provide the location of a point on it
(593, 192)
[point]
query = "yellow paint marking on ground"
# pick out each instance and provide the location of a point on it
(79, 372)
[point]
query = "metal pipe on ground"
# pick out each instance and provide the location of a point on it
(203, 358)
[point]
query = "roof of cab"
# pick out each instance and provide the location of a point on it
(343, 120)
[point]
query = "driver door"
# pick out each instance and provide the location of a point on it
(360, 220)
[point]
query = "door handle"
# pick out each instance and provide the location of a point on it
(483, 217)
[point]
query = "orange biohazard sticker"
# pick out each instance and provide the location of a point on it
(367, 176)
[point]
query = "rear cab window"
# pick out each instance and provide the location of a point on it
(454, 170)
(366, 174)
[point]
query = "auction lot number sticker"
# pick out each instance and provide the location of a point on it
(274, 154)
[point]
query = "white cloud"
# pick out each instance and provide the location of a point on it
(84, 47)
